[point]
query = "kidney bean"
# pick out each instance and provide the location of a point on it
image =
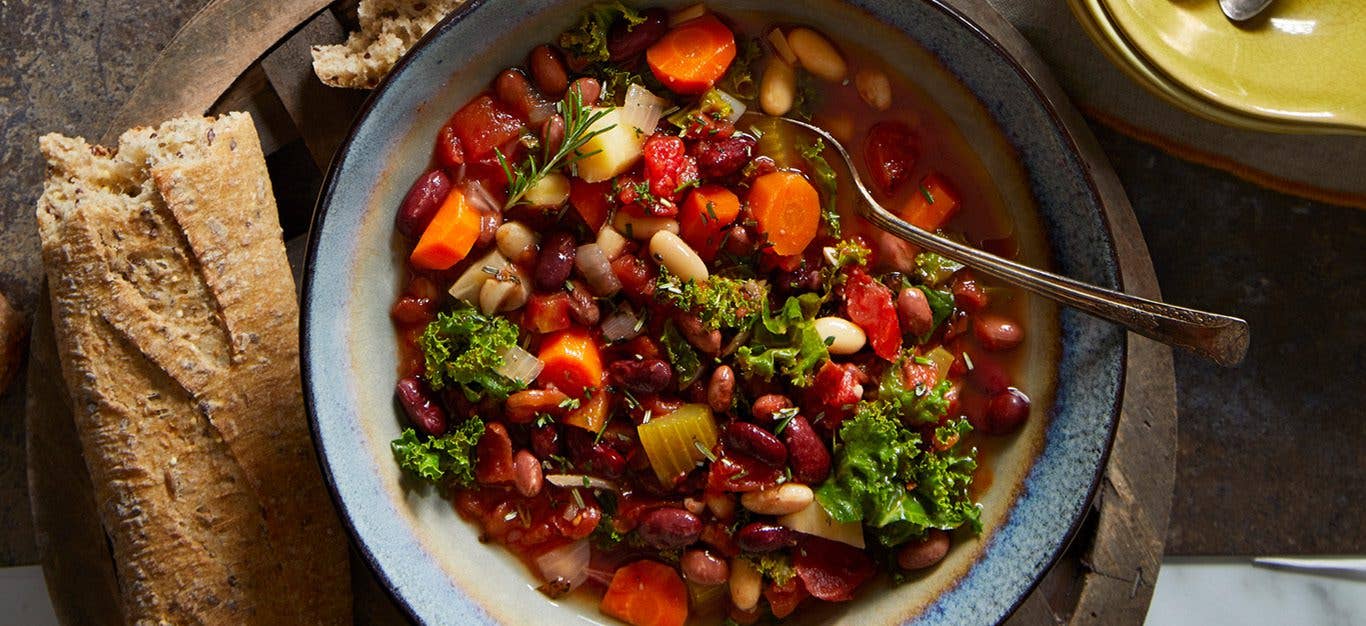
(625, 41)
(1007, 410)
(516, 92)
(701, 567)
(718, 158)
(552, 133)
(606, 461)
(548, 71)
(427, 415)
(765, 537)
(555, 261)
(987, 374)
(997, 332)
(708, 341)
(411, 310)
(545, 441)
(582, 306)
(740, 242)
(924, 552)
(420, 205)
(493, 455)
(753, 440)
(589, 89)
(669, 527)
(489, 222)
(523, 407)
(914, 311)
(526, 473)
(806, 453)
(767, 405)
(721, 388)
(643, 376)
(968, 294)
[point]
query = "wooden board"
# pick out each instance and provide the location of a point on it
(1106, 576)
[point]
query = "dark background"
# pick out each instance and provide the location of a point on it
(1271, 454)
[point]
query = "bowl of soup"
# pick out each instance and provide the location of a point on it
(590, 332)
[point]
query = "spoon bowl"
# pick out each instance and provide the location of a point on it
(1243, 10)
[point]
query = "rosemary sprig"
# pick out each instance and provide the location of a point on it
(578, 119)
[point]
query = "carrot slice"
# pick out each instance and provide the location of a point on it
(788, 210)
(647, 593)
(706, 212)
(932, 204)
(593, 201)
(572, 362)
(690, 58)
(592, 414)
(449, 236)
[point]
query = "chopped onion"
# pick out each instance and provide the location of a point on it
(642, 109)
(593, 264)
(737, 108)
(480, 198)
(579, 480)
(687, 15)
(779, 42)
(520, 365)
(621, 325)
(565, 567)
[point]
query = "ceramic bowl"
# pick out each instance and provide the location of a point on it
(1285, 71)
(1040, 480)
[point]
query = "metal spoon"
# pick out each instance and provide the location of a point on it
(1243, 10)
(1219, 338)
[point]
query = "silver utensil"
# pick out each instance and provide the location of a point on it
(1243, 10)
(1219, 338)
(1352, 568)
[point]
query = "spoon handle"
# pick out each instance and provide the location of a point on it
(1220, 338)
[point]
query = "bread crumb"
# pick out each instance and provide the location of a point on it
(388, 29)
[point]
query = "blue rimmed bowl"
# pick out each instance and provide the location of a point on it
(1040, 480)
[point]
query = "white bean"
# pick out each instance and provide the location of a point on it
(781, 500)
(874, 87)
(642, 228)
(550, 191)
(848, 337)
(611, 242)
(676, 255)
(817, 54)
(517, 242)
(777, 88)
(721, 504)
(745, 583)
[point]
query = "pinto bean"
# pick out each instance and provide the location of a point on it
(643, 376)
(669, 527)
(767, 405)
(745, 584)
(697, 334)
(721, 388)
(997, 332)
(914, 311)
(523, 407)
(1007, 410)
(426, 415)
(806, 453)
(764, 537)
(582, 306)
(925, 552)
(625, 41)
(702, 567)
(526, 473)
(421, 203)
(548, 71)
(589, 89)
(721, 505)
(555, 262)
(753, 440)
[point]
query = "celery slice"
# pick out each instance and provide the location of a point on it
(674, 443)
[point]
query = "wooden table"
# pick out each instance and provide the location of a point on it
(1109, 571)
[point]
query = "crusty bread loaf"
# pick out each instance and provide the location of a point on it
(177, 329)
(388, 28)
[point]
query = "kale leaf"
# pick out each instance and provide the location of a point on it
(588, 39)
(826, 181)
(739, 79)
(687, 365)
(916, 405)
(720, 302)
(449, 457)
(933, 269)
(785, 342)
(465, 348)
(941, 306)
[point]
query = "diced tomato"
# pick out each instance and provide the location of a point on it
(637, 277)
(484, 124)
(593, 201)
(493, 455)
(890, 153)
(739, 472)
(869, 304)
(576, 522)
(831, 570)
(718, 536)
(449, 153)
(835, 392)
(547, 313)
(915, 374)
(669, 170)
(783, 599)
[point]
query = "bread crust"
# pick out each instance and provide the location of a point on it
(388, 29)
(177, 329)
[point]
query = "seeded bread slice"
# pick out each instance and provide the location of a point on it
(388, 28)
(177, 330)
